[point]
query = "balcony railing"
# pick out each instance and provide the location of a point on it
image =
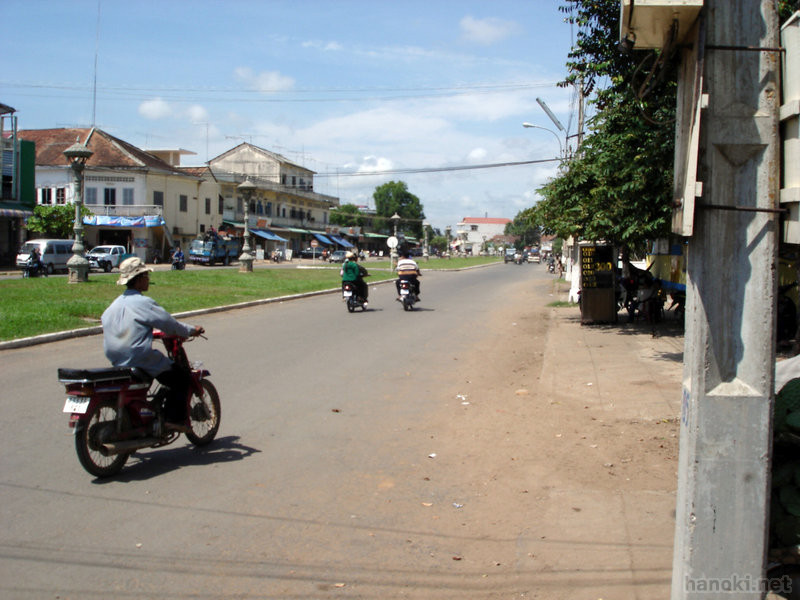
(126, 210)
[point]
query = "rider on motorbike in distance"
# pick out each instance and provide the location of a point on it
(408, 269)
(128, 325)
(352, 271)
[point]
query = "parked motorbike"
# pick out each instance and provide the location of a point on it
(407, 295)
(34, 268)
(351, 297)
(114, 412)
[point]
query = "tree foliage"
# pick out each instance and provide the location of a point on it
(55, 221)
(618, 188)
(524, 229)
(394, 197)
(348, 215)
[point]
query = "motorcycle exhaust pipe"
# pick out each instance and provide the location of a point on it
(128, 446)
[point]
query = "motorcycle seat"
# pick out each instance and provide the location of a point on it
(101, 374)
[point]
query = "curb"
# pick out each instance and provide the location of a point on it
(98, 329)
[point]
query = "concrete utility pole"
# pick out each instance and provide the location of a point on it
(729, 354)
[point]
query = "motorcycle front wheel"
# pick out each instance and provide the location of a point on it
(92, 433)
(204, 415)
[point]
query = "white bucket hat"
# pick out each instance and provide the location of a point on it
(130, 268)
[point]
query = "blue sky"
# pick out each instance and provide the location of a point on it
(341, 87)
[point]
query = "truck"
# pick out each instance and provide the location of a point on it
(212, 248)
(106, 257)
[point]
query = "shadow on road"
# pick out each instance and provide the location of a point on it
(154, 462)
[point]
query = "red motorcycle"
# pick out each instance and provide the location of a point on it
(113, 411)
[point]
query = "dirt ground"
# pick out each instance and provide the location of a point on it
(558, 451)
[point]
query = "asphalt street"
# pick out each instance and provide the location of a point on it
(322, 411)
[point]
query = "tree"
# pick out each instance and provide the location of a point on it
(619, 186)
(347, 215)
(55, 221)
(524, 229)
(394, 197)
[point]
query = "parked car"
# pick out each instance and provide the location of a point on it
(311, 253)
(509, 255)
(337, 256)
(106, 257)
(534, 257)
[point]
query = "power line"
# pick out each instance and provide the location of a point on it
(438, 169)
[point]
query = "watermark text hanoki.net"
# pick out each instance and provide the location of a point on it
(738, 585)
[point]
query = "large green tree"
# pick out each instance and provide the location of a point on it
(55, 221)
(394, 197)
(618, 187)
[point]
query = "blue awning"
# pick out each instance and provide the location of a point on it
(323, 239)
(341, 241)
(268, 235)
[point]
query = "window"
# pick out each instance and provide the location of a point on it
(220, 205)
(208, 207)
(61, 195)
(158, 198)
(127, 196)
(283, 179)
(202, 228)
(91, 195)
(183, 203)
(269, 209)
(294, 181)
(474, 227)
(45, 196)
(110, 196)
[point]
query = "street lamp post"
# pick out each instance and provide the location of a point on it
(78, 266)
(447, 231)
(560, 146)
(246, 259)
(395, 220)
(425, 250)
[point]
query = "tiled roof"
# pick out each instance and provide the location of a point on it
(486, 220)
(109, 152)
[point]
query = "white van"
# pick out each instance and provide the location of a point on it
(54, 253)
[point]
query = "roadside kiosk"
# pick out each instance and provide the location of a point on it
(598, 284)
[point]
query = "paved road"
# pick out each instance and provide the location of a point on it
(323, 411)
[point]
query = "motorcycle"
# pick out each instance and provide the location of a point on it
(518, 258)
(178, 263)
(114, 412)
(407, 295)
(351, 297)
(34, 268)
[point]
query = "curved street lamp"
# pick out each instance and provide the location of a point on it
(246, 259)
(560, 146)
(78, 266)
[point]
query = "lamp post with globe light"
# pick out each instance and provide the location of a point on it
(246, 259)
(78, 265)
(395, 220)
(447, 231)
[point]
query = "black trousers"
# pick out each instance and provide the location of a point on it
(178, 380)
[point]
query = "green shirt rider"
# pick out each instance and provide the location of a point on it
(352, 271)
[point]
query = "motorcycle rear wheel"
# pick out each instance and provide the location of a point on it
(351, 304)
(92, 433)
(204, 415)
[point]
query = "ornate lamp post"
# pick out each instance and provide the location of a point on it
(246, 259)
(447, 235)
(425, 251)
(395, 220)
(78, 266)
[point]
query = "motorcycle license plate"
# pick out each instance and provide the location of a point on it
(347, 293)
(76, 404)
(403, 292)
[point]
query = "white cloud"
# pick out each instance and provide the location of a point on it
(265, 81)
(197, 114)
(477, 155)
(487, 31)
(155, 109)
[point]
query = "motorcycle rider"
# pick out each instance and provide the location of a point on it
(178, 258)
(128, 325)
(352, 271)
(408, 270)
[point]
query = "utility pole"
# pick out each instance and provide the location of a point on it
(729, 352)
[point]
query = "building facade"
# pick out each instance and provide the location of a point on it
(473, 233)
(17, 197)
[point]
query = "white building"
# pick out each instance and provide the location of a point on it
(473, 232)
